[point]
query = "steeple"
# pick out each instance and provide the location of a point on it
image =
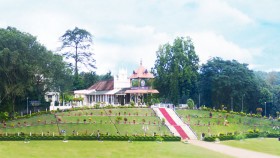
(141, 62)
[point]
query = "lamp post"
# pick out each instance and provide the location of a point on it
(62, 99)
(27, 106)
(198, 100)
(264, 108)
(242, 103)
(231, 104)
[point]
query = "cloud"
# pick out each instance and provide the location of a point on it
(126, 31)
(262, 10)
(133, 44)
(209, 44)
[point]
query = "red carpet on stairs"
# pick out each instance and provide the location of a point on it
(173, 123)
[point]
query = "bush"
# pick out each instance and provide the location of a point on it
(252, 135)
(239, 137)
(273, 135)
(132, 103)
(210, 139)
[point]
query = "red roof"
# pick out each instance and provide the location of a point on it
(141, 72)
(103, 85)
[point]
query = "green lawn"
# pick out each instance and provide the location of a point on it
(267, 145)
(84, 149)
(200, 122)
(86, 122)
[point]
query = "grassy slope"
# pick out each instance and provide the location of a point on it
(73, 149)
(268, 145)
(96, 119)
(104, 121)
(236, 122)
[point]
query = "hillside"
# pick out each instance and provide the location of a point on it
(223, 123)
(133, 121)
(122, 121)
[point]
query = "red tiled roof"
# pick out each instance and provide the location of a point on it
(103, 85)
(141, 72)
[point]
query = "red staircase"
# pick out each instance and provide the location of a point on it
(179, 129)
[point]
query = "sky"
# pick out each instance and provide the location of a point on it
(126, 31)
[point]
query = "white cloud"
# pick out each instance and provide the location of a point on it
(137, 43)
(209, 44)
(126, 31)
(218, 10)
(261, 9)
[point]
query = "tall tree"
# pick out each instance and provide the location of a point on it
(76, 45)
(229, 83)
(176, 71)
(27, 69)
(270, 91)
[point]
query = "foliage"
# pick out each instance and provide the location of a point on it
(176, 71)
(240, 137)
(118, 119)
(190, 103)
(104, 137)
(132, 103)
(225, 82)
(80, 40)
(27, 69)
(107, 76)
(273, 135)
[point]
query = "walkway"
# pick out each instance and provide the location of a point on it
(231, 151)
(173, 123)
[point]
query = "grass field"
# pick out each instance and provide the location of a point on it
(84, 149)
(267, 145)
(88, 121)
(200, 122)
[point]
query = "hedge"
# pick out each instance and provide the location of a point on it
(273, 135)
(111, 138)
(252, 135)
(230, 137)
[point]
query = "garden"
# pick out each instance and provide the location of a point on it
(88, 122)
(215, 123)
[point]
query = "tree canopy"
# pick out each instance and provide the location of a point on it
(27, 69)
(76, 45)
(176, 71)
(229, 83)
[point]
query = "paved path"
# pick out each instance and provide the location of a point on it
(231, 151)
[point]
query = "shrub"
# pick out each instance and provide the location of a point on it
(132, 103)
(252, 135)
(190, 103)
(210, 139)
(273, 135)
(240, 137)
(226, 137)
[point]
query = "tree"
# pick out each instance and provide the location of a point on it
(27, 69)
(107, 76)
(80, 40)
(176, 71)
(190, 103)
(225, 82)
(270, 91)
